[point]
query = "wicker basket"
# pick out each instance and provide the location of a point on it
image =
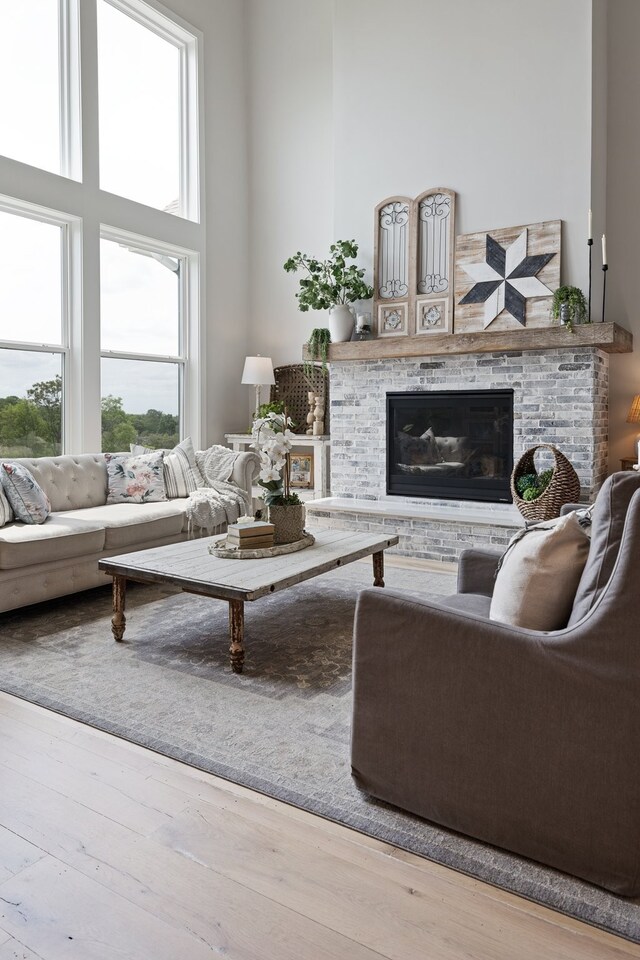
(292, 387)
(564, 486)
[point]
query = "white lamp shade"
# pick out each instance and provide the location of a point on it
(258, 370)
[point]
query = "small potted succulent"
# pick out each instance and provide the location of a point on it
(569, 306)
(332, 285)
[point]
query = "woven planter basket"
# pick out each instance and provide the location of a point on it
(288, 522)
(564, 486)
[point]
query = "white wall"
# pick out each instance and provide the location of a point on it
(226, 175)
(489, 98)
(291, 156)
(623, 215)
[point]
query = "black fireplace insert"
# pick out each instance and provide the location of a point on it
(452, 444)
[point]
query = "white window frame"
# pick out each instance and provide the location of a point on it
(77, 202)
(161, 22)
(69, 80)
(68, 232)
(188, 314)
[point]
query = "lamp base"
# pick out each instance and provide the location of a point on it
(257, 405)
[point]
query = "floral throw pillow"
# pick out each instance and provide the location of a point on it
(28, 500)
(6, 513)
(181, 474)
(135, 478)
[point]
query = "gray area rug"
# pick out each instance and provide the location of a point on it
(281, 728)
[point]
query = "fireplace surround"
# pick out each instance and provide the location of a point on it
(560, 396)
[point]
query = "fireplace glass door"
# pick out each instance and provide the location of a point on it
(457, 445)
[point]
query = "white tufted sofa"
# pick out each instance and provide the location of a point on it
(58, 557)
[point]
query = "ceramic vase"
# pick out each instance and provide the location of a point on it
(288, 521)
(341, 321)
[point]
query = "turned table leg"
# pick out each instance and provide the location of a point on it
(119, 621)
(236, 634)
(378, 569)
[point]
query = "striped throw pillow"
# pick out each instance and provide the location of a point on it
(6, 513)
(181, 474)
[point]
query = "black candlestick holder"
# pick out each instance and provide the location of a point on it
(590, 243)
(605, 267)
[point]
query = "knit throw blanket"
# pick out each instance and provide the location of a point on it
(211, 508)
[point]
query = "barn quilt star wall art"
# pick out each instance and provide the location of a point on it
(504, 279)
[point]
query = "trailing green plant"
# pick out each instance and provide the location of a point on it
(329, 282)
(576, 306)
(531, 485)
(318, 346)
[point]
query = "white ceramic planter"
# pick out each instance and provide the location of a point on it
(341, 321)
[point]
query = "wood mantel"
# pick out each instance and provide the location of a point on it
(608, 337)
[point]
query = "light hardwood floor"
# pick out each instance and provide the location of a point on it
(111, 852)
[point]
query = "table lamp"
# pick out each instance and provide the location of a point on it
(634, 417)
(258, 370)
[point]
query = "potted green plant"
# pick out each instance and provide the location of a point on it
(331, 285)
(569, 306)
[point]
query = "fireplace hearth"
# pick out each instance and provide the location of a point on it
(450, 444)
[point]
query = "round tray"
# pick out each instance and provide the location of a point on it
(232, 553)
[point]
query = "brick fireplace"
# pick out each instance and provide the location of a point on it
(560, 396)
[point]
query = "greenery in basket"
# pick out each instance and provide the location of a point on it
(272, 439)
(318, 346)
(576, 306)
(329, 282)
(531, 485)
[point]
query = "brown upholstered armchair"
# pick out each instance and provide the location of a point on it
(526, 740)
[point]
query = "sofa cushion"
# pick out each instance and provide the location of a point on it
(135, 478)
(130, 524)
(608, 517)
(58, 538)
(180, 470)
(28, 500)
(70, 482)
(6, 513)
(539, 575)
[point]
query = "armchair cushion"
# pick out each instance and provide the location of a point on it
(539, 575)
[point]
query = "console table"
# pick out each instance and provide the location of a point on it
(320, 445)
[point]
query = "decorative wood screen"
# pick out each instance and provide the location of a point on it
(413, 263)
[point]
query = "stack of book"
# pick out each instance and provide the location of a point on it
(250, 536)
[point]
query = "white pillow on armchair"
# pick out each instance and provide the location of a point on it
(539, 575)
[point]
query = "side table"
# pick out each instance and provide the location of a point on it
(321, 447)
(628, 463)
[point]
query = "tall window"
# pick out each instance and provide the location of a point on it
(144, 154)
(100, 339)
(30, 81)
(142, 335)
(33, 335)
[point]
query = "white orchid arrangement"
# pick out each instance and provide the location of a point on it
(272, 438)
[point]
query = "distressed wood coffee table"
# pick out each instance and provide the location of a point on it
(190, 566)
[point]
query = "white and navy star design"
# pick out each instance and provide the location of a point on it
(506, 279)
